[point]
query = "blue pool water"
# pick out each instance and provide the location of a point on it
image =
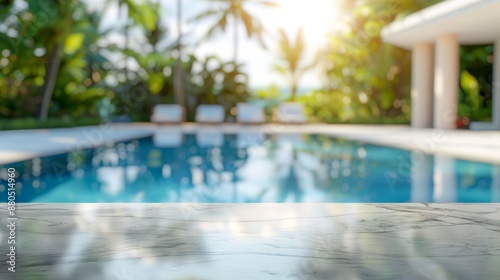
(251, 168)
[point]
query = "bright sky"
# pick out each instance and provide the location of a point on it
(316, 17)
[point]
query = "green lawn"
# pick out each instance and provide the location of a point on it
(16, 124)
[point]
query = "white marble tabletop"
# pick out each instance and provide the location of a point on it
(254, 241)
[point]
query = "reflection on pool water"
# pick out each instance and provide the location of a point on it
(251, 168)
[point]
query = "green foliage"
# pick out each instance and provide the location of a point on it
(30, 123)
(139, 12)
(90, 83)
(222, 83)
(336, 108)
(269, 98)
(206, 81)
(476, 89)
(30, 55)
(271, 93)
(326, 106)
(73, 43)
(367, 79)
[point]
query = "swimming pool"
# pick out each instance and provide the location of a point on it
(251, 168)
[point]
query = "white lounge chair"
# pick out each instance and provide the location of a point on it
(167, 113)
(209, 114)
(250, 114)
(290, 113)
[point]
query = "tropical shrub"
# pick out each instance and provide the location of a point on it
(83, 74)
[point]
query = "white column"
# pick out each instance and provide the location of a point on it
(421, 177)
(445, 181)
(446, 81)
(496, 86)
(422, 85)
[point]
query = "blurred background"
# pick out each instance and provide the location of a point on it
(68, 63)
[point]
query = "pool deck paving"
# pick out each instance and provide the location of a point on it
(483, 146)
(254, 241)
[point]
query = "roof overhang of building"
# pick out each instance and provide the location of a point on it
(474, 22)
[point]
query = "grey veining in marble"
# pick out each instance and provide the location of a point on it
(255, 241)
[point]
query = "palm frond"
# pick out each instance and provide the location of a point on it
(248, 21)
(265, 3)
(220, 24)
(203, 15)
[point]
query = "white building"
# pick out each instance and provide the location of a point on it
(434, 36)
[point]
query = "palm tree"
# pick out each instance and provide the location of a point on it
(292, 55)
(60, 27)
(159, 33)
(178, 89)
(236, 10)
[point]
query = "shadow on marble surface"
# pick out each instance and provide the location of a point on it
(255, 241)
